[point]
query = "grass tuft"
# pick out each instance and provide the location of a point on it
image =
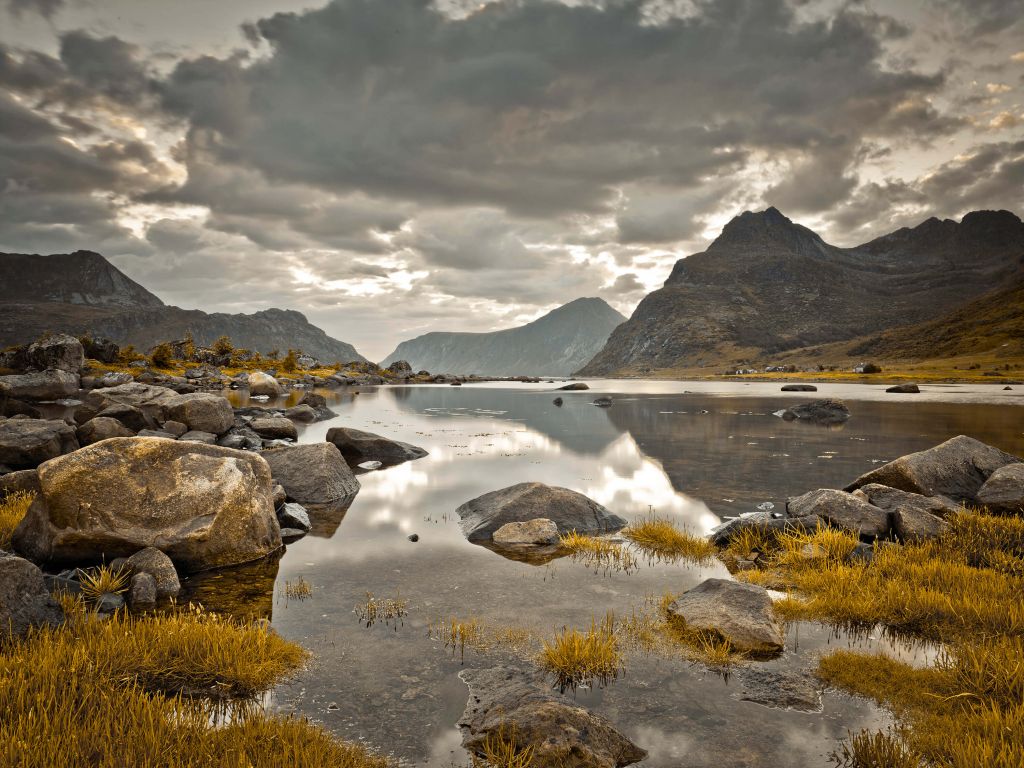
(385, 609)
(103, 580)
(12, 511)
(661, 539)
(298, 590)
(601, 554)
(501, 750)
(577, 658)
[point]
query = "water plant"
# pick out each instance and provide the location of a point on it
(386, 609)
(602, 554)
(12, 510)
(662, 539)
(577, 658)
(458, 634)
(298, 590)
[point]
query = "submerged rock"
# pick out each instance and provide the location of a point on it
(817, 412)
(957, 469)
(569, 510)
(799, 388)
(1003, 492)
(27, 443)
(204, 506)
(904, 389)
(737, 612)
(506, 701)
(312, 474)
(358, 446)
(24, 600)
(840, 509)
(576, 386)
(603, 402)
(780, 689)
(558, 401)
(538, 531)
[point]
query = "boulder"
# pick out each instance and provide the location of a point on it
(274, 428)
(203, 412)
(130, 416)
(263, 384)
(721, 535)
(24, 599)
(904, 389)
(914, 517)
(358, 446)
(817, 412)
(101, 349)
(176, 428)
(60, 352)
(241, 438)
(40, 385)
(603, 402)
(101, 428)
(151, 399)
(504, 702)
(312, 474)
(538, 531)
(734, 611)
(142, 592)
(11, 407)
(957, 469)
(401, 369)
(301, 413)
(842, 510)
(313, 400)
(23, 481)
(569, 510)
(27, 443)
(799, 388)
(204, 506)
(576, 386)
(1003, 492)
(294, 517)
(155, 563)
(194, 436)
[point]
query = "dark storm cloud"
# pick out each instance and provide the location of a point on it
(541, 108)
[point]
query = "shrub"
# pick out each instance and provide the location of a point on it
(871, 368)
(223, 346)
(188, 346)
(162, 356)
(291, 362)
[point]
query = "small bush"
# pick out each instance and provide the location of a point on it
(291, 362)
(223, 346)
(103, 580)
(162, 356)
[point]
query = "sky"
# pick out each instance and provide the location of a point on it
(392, 167)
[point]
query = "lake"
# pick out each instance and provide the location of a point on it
(692, 451)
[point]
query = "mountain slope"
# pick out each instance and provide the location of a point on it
(767, 285)
(554, 345)
(82, 292)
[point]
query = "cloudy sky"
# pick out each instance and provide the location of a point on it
(391, 167)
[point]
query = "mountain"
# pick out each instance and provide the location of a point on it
(768, 285)
(82, 292)
(554, 345)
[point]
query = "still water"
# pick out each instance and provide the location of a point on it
(693, 451)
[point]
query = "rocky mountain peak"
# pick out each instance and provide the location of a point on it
(763, 229)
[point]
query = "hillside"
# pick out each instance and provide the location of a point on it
(554, 345)
(82, 292)
(768, 285)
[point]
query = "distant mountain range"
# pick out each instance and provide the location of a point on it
(82, 292)
(768, 285)
(557, 344)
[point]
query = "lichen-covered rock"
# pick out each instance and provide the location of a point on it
(60, 352)
(274, 428)
(151, 399)
(569, 510)
(841, 509)
(358, 446)
(734, 611)
(263, 384)
(312, 474)
(204, 506)
(24, 600)
(27, 443)
(39, 385)
(914, 517)
(202, 412)
(539, 531)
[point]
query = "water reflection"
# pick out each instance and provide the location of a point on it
(243, 591)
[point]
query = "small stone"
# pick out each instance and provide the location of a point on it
(558, 401)
(142, 592)
(109, 603)
(294, 515)
(414, 537)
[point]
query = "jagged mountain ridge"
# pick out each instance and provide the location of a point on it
(554, 345)
(82, 292)
(768, 285)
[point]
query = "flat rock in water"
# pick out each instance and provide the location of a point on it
(779, 689)
(569, 510)
(24, 599)
(957, 469)
(842, 510)
(274, 428)
(358, 446)
(904, 389)
(826, 412)
(314, 473)
(737, 612)
(538, 531)
(204, 506)
(1003, 492)
(576, 386)
(27, 443)
(561, 733)
(914, 517)
(799, 388)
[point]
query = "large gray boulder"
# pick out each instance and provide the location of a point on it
(827, 412)
(27, 443)
(39, 385)
(204, 506)
(151, 399)
(274, 428)
(734, 611)
(842, 510)
(358, 447)
(60, 352)
(504, 702)
(569, 510)
(101, 428)
(956, 469)
(1004, 490)
(263, 384)
(312, 474)
(914, 517)
(24, 600)
(202, 412)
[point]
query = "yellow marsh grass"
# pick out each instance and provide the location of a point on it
(385, 609)
(460, 634)
(102, 580)
(750, 541)
(116, 693)
(651, 632)
(576, 658)
(661, 539)
(600, 553)
(501, 751)
(12, 509)
(298, 590)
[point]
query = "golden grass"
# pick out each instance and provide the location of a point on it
(601, 554)
(385, 609)
(298, 590)
(475, 634)
(501, 750)
(749, 542)
(577, 658)
(103, 580)
(126, 691)
(652, 632)
(12, 511)
(661, 539)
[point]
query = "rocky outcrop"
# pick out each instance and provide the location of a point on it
(957, 469)
(1003, 492)
(39, 385)
(27, 443)
(60, 352)
(204, 506)
(358, 447)
(734, 611)
(507, 701)
(202, 412)
(312, 474)
(839, 509)
(24, 600)
(827, 412)
(530, 532)
(570, 511)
